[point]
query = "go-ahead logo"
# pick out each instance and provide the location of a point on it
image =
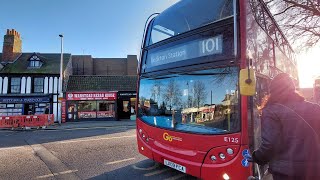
(169, 138)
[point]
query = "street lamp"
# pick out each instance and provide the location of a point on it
(61, 77)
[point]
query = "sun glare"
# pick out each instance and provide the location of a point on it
(309, 67)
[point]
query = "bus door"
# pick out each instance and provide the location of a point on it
(255, 105)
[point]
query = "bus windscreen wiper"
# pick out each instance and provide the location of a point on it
(165, 77)
(204, 74)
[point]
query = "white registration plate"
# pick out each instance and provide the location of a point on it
(175, 166)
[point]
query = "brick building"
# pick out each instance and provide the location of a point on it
(101, 88)
(87, 65)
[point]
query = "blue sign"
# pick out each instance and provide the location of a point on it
(190, 50)
(245, 163)
(24, 99)
(246, 154)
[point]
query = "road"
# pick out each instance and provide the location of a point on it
(81, 153)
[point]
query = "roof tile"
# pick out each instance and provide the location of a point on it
(51, 64)
(102, 83)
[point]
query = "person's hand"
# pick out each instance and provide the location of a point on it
(248, 157)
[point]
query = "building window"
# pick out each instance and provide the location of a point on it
(38, 85)
(105, 109)
(87, 109)
(35, 61)
(15, 85)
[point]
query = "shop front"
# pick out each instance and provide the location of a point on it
(16, 105)
(126, 104)
(91, 106)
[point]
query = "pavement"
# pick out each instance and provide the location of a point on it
(91, 124)
(86, 124)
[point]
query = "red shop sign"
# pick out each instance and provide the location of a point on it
(92, 96)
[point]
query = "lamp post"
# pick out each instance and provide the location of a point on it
(61, 77)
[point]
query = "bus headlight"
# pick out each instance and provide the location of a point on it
(226, 176)
(222, 156)
(229, 151)
(213, 158)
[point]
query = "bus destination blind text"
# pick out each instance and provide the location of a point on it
(193, 49)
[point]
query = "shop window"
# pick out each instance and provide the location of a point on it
(125, 106)
(10, 109)
(87, 109)
(105, 109)
(15, 85)
(38, 85)
(133, 108)
(40, 108)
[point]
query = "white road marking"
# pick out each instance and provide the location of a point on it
(56, 174)
(84, 140)
(120, 161)
(146, 169)
(157, 172)
(176, 177)
(13, 148)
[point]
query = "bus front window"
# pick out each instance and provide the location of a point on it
(204, 102)
(188, 15)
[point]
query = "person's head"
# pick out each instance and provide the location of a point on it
(282, 84)
(282, 89)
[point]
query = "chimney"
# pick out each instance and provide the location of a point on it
(11, 46)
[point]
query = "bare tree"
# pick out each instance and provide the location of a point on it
(172, 94)
(155, 91)
(299, 20)
(199, 92)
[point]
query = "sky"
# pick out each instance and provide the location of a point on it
(101, 28)
(309, 66)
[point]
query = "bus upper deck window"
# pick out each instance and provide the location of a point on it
(160, 33)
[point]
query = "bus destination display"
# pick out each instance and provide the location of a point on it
(190, 50)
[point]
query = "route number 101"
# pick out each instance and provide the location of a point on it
(211, 45)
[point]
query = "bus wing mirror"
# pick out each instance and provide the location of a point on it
(247, 82)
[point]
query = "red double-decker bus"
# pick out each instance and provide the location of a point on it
(204, 69)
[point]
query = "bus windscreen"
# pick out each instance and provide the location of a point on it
(202, 102)
(187, 15)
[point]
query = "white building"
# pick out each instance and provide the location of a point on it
(29, 82)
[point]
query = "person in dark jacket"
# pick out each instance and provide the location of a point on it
(290, 133)
(47, 111)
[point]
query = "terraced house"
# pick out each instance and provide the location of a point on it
(29, 81)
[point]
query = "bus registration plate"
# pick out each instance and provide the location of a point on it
(175, 166)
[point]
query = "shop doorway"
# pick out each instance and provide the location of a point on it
(72, 111)
(29, 109)
(124, 109)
